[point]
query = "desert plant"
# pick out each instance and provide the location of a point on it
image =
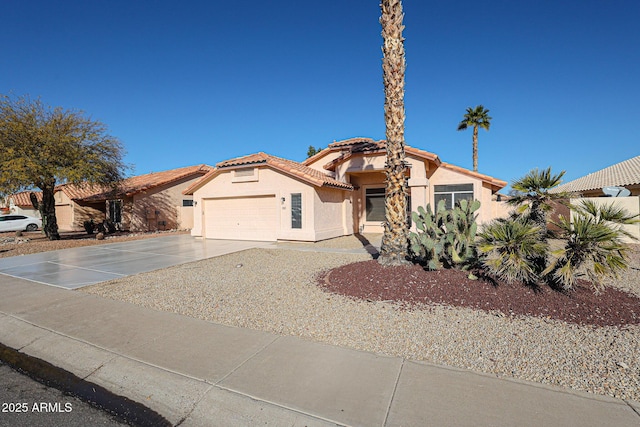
(89, 226)
(593, 245)
(446, 237)
(509, 249)
(532, 198)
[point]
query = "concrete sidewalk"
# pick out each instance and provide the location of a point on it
(197, 373)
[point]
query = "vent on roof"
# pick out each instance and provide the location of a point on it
(616, 192)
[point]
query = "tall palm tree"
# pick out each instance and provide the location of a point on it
(395, 241)
(475, 117)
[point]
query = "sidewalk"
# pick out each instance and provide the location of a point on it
(197, 373)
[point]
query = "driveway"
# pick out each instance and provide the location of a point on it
(77, 267)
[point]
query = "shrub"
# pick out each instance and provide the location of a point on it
(446, 237)
(89, 226)
(510, 249)
(593, 245)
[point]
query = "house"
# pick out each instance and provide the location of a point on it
(624, 174)
(147, 202)
(20, 203)
(339, 191)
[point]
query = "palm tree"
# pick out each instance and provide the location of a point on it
(395, 241)
(533, 199)
(475, 117)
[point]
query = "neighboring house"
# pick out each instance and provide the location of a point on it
(339, 191)
(624, 174)
(20, 203)
(147, 202)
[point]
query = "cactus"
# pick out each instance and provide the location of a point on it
(445, 237)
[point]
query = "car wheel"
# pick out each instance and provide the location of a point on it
(32, 227)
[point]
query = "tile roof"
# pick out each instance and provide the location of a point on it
(621, 174)
(80, 191)
(289, 167)
(23, 198)
(498, 183)
(369, 146)
(133, 185)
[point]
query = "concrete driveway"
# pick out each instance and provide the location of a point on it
(77, 267)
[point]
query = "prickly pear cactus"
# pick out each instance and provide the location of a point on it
(445, 238)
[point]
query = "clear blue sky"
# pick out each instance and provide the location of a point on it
(188, 82)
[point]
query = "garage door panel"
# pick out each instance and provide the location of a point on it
(246, 218)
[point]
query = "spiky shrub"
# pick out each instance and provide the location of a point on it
(509, 249)
(593, 245)
(446, 237)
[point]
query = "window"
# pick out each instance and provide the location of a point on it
(186, 202)
(245, 175)
(243, 172)
(296, 210)
(115, 211)
(374, 199)
(452, 194)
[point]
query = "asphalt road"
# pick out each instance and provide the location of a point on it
(28, 403)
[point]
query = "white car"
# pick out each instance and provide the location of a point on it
(19, 223)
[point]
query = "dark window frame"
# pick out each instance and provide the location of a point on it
(296, 211)
(452, 194)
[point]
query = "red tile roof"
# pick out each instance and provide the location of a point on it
(133, 185)
(23, 198)
(288, 167)
(352, 146)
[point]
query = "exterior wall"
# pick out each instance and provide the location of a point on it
(270, 182)
(332, 213)
(157, 208)
(71, 215)
(481, 191)
(630, 204)
(23, 210)
(319, 163)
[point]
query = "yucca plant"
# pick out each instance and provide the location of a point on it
(509, 249)
(594, 246)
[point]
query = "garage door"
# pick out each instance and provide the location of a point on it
(246, 218)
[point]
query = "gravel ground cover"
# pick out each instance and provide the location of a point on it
(277, 290)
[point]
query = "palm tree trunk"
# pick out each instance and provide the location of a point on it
(395, 241)
(475, 148)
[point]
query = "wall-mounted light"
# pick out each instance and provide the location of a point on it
(282, 199)
(195, 203)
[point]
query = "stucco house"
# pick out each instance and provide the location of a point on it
(20, 203)
(147, 202)
(339, 191)
(625, 174)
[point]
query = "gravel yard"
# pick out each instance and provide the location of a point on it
(275, 290)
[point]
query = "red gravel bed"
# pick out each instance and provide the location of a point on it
(413, 287)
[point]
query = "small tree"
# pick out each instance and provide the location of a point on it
(43, 146)
(312, 151)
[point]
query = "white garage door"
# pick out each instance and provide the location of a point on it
(246, 218)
